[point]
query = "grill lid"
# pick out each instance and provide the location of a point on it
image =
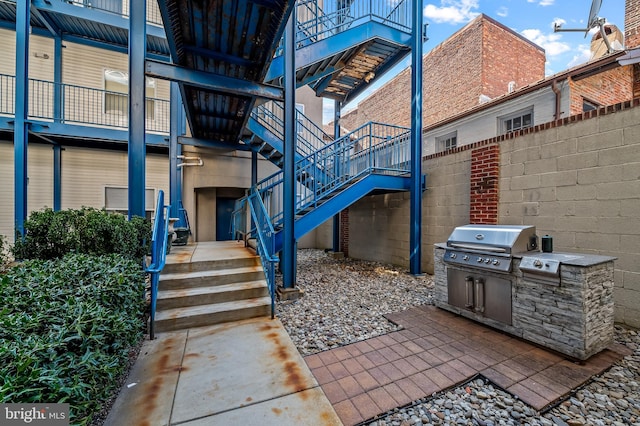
(494, 238)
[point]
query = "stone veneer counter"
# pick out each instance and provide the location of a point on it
(573, 316)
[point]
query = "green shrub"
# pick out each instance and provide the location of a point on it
(5, 253)
(52, 234)
(66, 328)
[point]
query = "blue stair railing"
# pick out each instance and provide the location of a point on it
(372, 148)
(315, 23)
(159, 240)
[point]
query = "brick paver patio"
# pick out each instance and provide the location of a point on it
(437, 350)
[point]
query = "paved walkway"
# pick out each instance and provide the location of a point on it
(437, 350)
(242, 373)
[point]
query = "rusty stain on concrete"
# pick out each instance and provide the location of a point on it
(276, 411)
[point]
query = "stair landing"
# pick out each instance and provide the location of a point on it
(206, 251)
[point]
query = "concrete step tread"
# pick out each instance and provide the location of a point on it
(200, 291)
(209, 273)
(214, 308)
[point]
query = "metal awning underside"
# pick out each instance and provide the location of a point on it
(76, 22)
(234, 39)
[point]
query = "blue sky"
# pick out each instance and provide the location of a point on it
(533, 19)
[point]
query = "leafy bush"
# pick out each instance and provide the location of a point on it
(52, 234)
(66, 327)
(5, 252)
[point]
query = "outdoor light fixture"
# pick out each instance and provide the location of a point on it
(369, 76)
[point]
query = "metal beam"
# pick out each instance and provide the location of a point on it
(211, 81)
(336, 136)
(57, 177)
(204, 143)
(21, 126)
(174, 112)
(290, 136)
(415, 205)
(137, 88)
(57, 79)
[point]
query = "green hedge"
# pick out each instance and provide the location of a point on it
(66, 328)
(52, 234)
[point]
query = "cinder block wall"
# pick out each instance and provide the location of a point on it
(577, 179)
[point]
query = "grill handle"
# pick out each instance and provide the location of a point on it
(479, 295)
(478, 247)
(468, 282)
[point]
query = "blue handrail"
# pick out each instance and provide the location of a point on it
(159, 240)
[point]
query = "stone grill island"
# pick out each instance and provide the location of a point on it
(564, 302)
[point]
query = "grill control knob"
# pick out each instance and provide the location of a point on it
(453, 256)
(480, 260)
(465, 257)
(487, 261)
(496, 262)
(537, 263)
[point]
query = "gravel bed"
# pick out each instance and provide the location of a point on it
(345, 299)
(344, 302)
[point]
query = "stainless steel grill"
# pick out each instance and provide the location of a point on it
(480, 259)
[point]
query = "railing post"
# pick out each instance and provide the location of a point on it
(336, 135)
(57, 79)
(415, 215)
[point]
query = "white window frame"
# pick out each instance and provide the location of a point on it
(299, 125)
(122, 206)
(150, 107)
(515, 121)
(446, 142)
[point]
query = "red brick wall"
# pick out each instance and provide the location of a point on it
(344, 231)
(632, 24)
(481, 58)
(485, 178)
(606, 88)
(507, 57)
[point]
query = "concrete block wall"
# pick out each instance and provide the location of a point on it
(576, 179)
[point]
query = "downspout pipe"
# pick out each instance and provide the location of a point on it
(558, 92)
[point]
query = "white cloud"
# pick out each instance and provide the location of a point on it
(502, 12)
(452, 11)
(549, 42)
(542, 2)
(582, 55)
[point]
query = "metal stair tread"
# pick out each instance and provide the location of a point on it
(210, 273)
(197, 291)
(212, 308)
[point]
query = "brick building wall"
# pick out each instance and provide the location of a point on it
(605, 88)
(479, 59)
(632, 24)
(485, 177)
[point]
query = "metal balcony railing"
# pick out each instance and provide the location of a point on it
(120, 7)
(315, 23)
(81, 105)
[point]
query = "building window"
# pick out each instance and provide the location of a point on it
(116, 199)
(588, 105)
(517, 121)
(448, 141)
(116, 86)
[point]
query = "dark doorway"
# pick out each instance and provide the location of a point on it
(224, 215)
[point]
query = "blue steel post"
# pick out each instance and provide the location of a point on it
(289, 196)
(415, 215)
(57, 79)
(57, 177)
(21, 126)
(174, 127)
(137, 147)
(336, 135)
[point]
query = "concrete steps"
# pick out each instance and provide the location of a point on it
(209, 284)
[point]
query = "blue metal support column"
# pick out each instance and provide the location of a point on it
(57, 79)
(415, 215)
(336, 135)
(137, 86)
(254, 168)
(57, 177)
(21, 126)
(174, 171)
(289, 196)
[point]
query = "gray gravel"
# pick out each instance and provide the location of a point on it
(344, 302)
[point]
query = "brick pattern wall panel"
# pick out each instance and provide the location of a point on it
(632, 24)
(485, 178)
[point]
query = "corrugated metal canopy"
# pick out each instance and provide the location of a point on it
(229, 38)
